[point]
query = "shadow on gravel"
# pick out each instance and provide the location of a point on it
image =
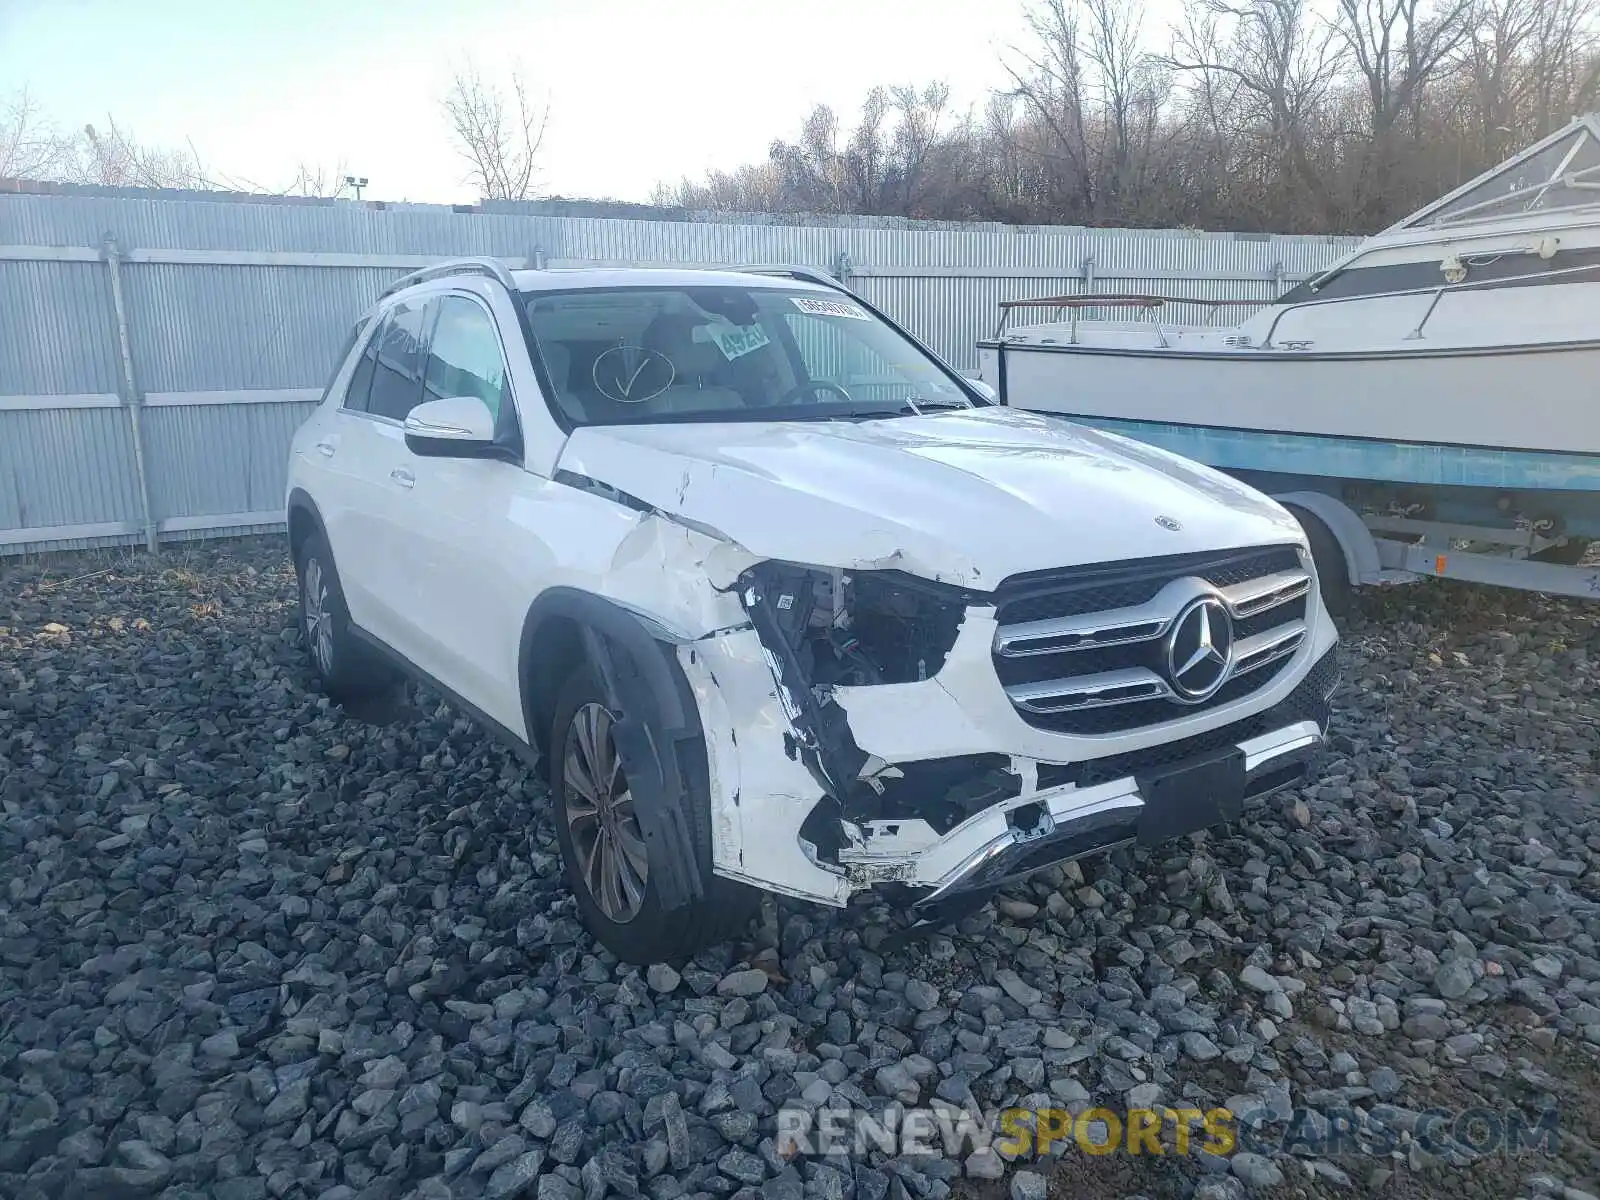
(394, 707)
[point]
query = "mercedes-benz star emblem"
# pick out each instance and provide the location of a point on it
(1200, 649)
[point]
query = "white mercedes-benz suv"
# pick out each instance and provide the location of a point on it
(782, 601)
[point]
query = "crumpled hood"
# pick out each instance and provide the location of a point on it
(967, 497)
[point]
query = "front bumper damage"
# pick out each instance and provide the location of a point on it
(937, 784)
(1061, 823)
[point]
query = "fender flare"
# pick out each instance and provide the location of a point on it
(657, 732)
(300, 501)
(1347, 528)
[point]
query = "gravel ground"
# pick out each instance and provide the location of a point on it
(250, 946)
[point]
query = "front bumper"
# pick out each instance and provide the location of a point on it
(1106, 802)
(762, 795)
(1069, 822)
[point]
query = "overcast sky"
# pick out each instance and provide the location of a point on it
(640, 91)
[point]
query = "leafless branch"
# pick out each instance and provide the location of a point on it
(29, 147)
(499, 136)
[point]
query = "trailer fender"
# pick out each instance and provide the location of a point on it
(1354, 538)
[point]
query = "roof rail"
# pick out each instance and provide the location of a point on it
(492, 267)
(809, 274)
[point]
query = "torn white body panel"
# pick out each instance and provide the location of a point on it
(512, 544)
(760, 793)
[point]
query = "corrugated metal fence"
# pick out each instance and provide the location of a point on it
(157, 351)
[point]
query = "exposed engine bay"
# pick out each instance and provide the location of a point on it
(826, 629)
(857, 627)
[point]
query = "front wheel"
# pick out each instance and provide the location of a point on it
(603, 847)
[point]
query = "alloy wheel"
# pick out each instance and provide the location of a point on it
(598, 808)
(318, 617)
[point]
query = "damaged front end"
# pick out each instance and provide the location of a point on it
(823, 630)
(861, 737)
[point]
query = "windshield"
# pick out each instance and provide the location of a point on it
(634, 355)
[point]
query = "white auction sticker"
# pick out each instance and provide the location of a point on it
(735, 341)
(829, 308)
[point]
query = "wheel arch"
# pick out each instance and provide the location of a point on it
(657, 732)
(304, 518)
(558, 633)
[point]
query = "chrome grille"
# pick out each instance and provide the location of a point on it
(1092, 652)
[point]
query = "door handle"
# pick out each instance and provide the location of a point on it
(403, 477)
(326, 449)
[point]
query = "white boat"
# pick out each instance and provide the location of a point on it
(1446, 372)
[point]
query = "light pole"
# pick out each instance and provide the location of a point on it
(355, 183)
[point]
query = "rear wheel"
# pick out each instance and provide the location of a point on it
(1333, 573)
(347, 669)
(603, 847)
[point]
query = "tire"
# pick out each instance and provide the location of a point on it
(1568, 555)
(1333, 573)
(620, 906)
(346, 669)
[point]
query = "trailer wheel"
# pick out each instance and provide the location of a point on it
(1333, 573)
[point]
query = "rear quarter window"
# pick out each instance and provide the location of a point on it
(342, 358)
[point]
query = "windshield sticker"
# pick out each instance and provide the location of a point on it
(735, 341)
(829, 308)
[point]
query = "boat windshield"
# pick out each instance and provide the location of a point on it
(633, 355)
(1564, 173)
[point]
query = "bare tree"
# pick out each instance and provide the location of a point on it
(1491, 58)
(1397, 48)
(318, 179)
(1092, 98)
(498, 135)
(1264, 115)
(866, 171)
(29, 148)
(1566, 66)
(108, 154)
(1001, 158)
(112, 156)
(1050, 82)
(813, 168)
(1285, 63)
(919, 114)
(1112, 45)
(754, 187)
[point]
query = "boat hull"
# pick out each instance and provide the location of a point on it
(1542, 399)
